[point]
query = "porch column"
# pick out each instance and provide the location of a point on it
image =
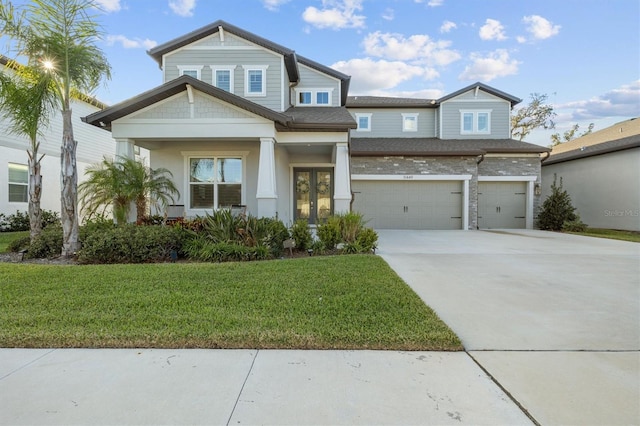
(342, 178)
(124, 148)
(266, 195)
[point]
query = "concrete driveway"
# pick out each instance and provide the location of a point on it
(553, 318)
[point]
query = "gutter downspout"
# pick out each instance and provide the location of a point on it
(545, 158)
(480, 160)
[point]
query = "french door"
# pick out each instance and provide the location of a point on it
(313, 189)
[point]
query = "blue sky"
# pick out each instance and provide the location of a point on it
(585, 54)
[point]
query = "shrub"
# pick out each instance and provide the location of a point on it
(556, 209)
(18, 244)
(329, 232)
(130, 243)
(20, 221)
(47, 244)
(574, 225)
(351, 224)
(206, 250)
(301, 234)
(367, 240)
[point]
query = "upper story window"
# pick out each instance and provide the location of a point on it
(223, 77)
(475, 122)
(313, 97)
(18, 183)
(194, 71)
(255, 83)
(410, 122)
(364, 122)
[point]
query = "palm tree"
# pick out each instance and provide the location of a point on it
(120, 183)
(27, 100)
(60, 36)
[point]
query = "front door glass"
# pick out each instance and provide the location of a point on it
(313, 189)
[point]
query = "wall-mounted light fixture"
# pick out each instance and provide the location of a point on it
(537, 189)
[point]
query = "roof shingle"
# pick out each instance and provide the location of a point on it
(440, 147)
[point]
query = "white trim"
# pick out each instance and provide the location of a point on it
(411, 177)
(232, 71)
(314, 95)
(196, 68)
(507, 178)
(465, 204)
(406, 115)
(369, 120)
(248, 68)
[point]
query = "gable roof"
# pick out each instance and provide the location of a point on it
(104, 118)
(320, 118)
(620, 136)
(291, 59)
(512, 99)
(377, 147)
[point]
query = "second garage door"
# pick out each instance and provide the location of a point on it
(409, 205)
(502, 204)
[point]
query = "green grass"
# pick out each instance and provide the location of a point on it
(613, 234)
(332, 302)
(7, 237)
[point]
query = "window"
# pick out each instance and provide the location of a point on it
(18, 183)
(190, 70)
(475, 122)
(214, 182)
(304, 98)
(223, 77)
(364, 122)
(255, 81)
(313, 97)
(410, 122)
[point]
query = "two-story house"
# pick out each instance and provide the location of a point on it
(240, 120)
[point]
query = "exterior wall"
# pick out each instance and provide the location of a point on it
(424, 166)
(451, 119)
(93, 145)
(233, 57)
(514, 165)
(386, 123)
(312, 79)
(605, 189)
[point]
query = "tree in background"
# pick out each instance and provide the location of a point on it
(569, 135)
(116, 184)
(60, 35)
(538, 113)
(27, 100)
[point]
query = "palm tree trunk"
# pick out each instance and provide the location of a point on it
(35, 193)
(69, 184)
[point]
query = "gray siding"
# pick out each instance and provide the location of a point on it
(237, 58)
(312, 79)
(386, 123)
(451, 119)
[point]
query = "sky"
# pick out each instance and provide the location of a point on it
(583, 54)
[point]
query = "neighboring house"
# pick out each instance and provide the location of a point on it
(240, 120)
(601, 173)
(93, 145)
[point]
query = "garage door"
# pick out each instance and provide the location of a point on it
(502, 204)
(409, 205)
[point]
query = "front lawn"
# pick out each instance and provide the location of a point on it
(7, 237)
(332, 302)
(633, 236)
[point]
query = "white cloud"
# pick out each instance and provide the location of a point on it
(335, 14)
(432, 3)
(388, 14)
(370, 75)
(621, 102)
(109, 5)
(447, 26)
(486, 68)
(128, 43)
(492, 30)
(273, 5)
(182, 7)
(417, 47)
(540, 28)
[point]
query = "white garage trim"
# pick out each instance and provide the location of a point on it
(411, 177)
(465, 187)
(530, 186)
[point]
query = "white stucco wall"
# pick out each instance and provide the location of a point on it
(605, 189)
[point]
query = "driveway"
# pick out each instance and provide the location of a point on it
(553, 318)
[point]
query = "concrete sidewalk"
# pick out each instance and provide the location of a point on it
(234, 387)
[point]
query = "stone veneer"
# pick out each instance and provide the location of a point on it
(462, 165)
